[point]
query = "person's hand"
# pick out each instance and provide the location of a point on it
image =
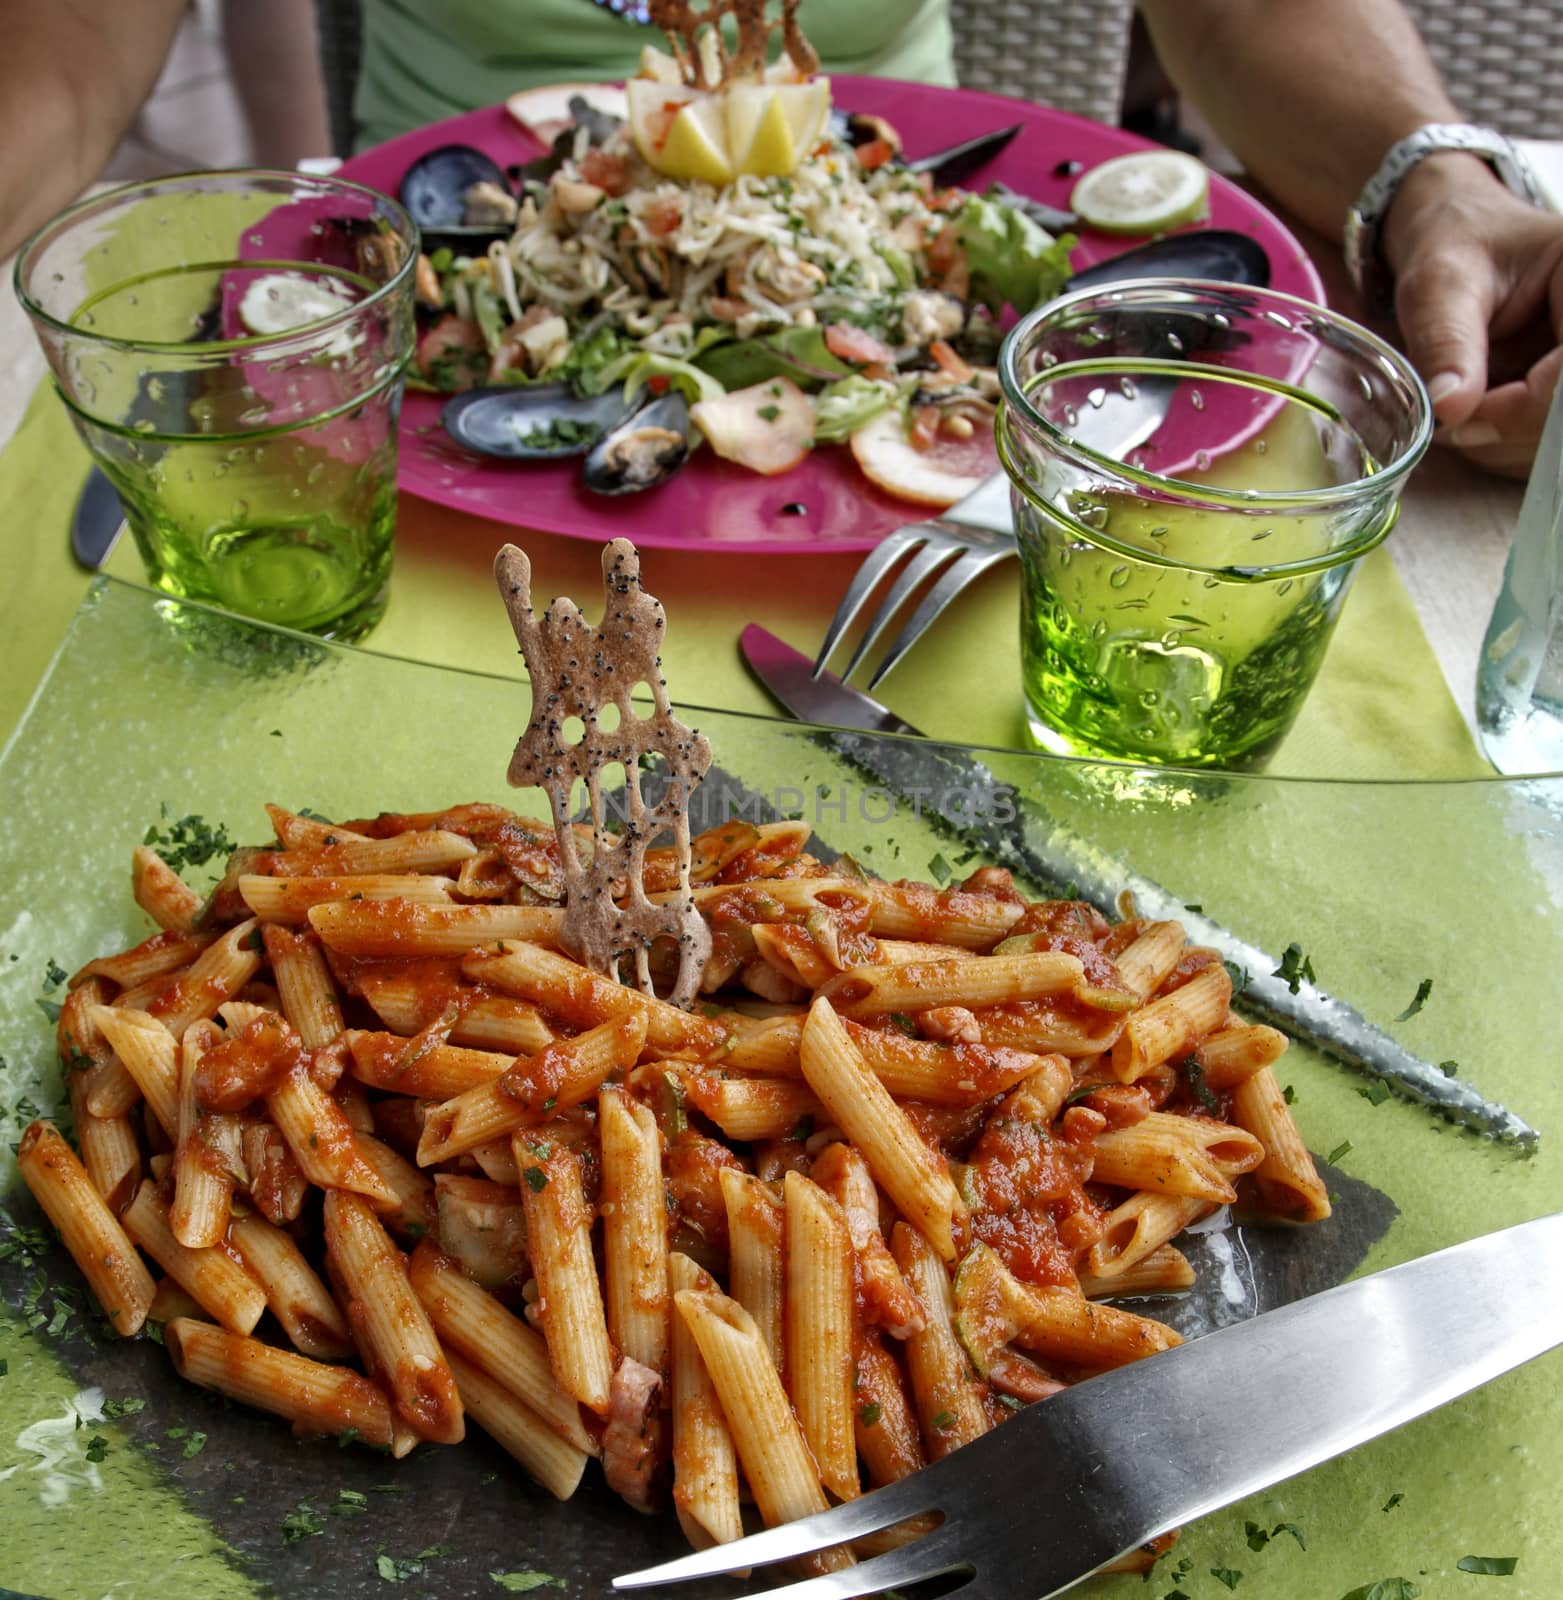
(1479, 300)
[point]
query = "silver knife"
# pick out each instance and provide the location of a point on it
(1125, 1457)
(97, 521)
(945, 778)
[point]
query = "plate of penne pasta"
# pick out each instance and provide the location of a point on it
(461, 1254)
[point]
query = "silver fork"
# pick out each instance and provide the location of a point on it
(1075, 1481)
(965, 541)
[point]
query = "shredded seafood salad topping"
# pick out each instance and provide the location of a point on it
(851, 283)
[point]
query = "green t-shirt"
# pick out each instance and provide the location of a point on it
(428, 59)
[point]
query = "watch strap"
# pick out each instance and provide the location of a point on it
(1365, 222)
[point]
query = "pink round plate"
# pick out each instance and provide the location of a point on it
(713, 505)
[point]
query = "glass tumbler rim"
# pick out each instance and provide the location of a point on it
(260, 341)
(1389, 477)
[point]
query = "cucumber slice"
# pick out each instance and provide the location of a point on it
(1148, 191)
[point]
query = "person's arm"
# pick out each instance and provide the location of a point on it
(74, 75)
(1310, 98)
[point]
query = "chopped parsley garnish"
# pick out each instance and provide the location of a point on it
(562, 433)
(397, 1569)
(1448, 1068)
(188, 841)
(1339, 1153)
(525, 1582)
(1386, 1589)
(536, 1179)
(1259, 1537)
(904, 1024)
(870, 1413)
(350, 1503)
(1294, 968)
(1489, 1566)
(803, 1128)
(1240, 977)
(1289, 1095)
(1375, 1093)
(302, 1522)
(1393, 1501)
(943, 1420)
(1423, 990)
(939, 870)
(1225, 1575)
(768, 413)
(5, 1366)
(1202, 1092)
(97, 1447)
(54, 974)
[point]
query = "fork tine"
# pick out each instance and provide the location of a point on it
(926, 561)
(878, 562)
(930, 1557)
(851, 1520)
(955, 578)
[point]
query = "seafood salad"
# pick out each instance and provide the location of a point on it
(734, 243)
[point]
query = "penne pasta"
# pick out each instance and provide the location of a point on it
(402, 928)
(559, 1242)
(203, 1175)
(482, 1021)
(557, 1465)
(1177, 1155)
(634, 1230)
(217, 974)
(150, 1056)
(161, 892)
(304, 987)
(290, 899)
(1287, 1179)
(314, 1397)
(914, 1176)
(949, 1406)
(770, 1445)
(917, 985)
(705, 1463)
(88, 1229)
(398, 1342)
(294, 1293)
(757, 1275)
(211, 1277)
(1172, 1025)
(817, 1322)
(1237, 1051)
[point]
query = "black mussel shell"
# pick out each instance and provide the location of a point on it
(434, 190)
(1216, 253)
(642, 451)
(531, 422)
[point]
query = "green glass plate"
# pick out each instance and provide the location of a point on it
(150, 705)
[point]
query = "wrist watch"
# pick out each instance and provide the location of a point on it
(1365, 262)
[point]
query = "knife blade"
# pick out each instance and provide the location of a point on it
(951, 167)
(946, 781)
(97, 521)
(1122, 1458)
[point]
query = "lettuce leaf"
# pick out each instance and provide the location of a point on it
(841, 408)
(1013, 261)
(636, 368)
(796, 353)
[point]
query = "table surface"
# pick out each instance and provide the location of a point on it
(1449, 548)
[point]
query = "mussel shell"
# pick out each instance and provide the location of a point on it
(1216, 253)
(642, 451)
(434, 190)
(498, 421)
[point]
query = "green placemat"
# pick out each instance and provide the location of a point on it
(1380, 709)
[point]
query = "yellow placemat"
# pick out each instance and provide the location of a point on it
(1380, 709)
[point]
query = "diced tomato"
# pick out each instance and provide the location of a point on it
(880, 372)
(925, 427)
(658, 383)
(611, 173)
(941, 253)
(949, 361)
(874, 154)
(663, 216)
(851, 343)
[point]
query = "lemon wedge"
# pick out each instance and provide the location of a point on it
(696, 145)
(763, 130)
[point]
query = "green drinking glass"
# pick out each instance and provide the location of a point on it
(231, 346)
(1196, 469)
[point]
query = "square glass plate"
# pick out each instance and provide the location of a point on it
(151, 704)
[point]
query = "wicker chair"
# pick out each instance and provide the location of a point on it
(1502, 60)
(1070, 54)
